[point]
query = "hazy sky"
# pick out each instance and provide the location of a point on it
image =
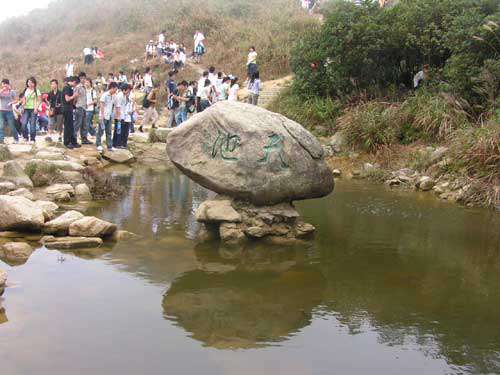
(10, 8)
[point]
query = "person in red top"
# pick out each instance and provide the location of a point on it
(43, 118)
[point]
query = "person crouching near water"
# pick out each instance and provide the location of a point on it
(108, 111)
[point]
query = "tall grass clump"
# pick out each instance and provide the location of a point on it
(477, 150)
(317, 114)
(369, 126)
(432, 116)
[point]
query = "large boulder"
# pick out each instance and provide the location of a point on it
(60, 225)
(14, 173)
(252, 154)
(17, 252)
(19, 213)
(82, 192)
(3, 279)
(90, 226)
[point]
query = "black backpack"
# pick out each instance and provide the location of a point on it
(145, 102)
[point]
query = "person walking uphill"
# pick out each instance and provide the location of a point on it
(31, 100)
(149, 104)
(68, 99)
(252, 62)
(8, 97)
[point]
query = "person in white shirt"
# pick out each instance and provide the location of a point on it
(121, 102)
(233, 90)
(70, 68)
(148, 81)
(88, 56)
(109, 109)
(122, 77)
(91, 102)
(199, 45)
(201, 86)
(161, 37)
(421, 76)
(252, 62)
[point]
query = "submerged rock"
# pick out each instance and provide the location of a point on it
(123, 235)
(90, 226)
(61, 224)
(19, 213)
(17, 252)
(82, 192)
(60, 192)
(425, 183)
(217, 210)
(251, 154)
(52, 242)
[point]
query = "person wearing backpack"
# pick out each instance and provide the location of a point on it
(149, 104)
(171, 103)
(182, 98)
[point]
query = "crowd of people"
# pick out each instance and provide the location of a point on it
(82, 107)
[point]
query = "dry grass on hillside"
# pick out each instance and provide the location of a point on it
(40, 44)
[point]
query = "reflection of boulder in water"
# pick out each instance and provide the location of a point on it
(243, 309)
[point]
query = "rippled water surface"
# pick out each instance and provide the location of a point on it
(393, 283)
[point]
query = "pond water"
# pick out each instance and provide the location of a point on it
(392, 283)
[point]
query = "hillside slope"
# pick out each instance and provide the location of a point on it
(40, 43)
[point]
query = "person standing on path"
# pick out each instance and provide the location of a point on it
(31, 100)
(149, 104)
(8, 97)
(128, 113)
(254, 89)
(233, 90)
(80, 124)
(67, 107)
(252, 66)
(181, 96)
(121, 101)
(148, 81)
(199, 45)
(171, 87)
(109, 110)
(55, 109)
(91, 97)
(200, 87)
(70, 68)
(88, 56)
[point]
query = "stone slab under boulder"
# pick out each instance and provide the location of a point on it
(19, 213)
(245, 221)
(52, 242)
(250, 154)
(60, 225)
(82, 192)
(90, 226)
(16, 252)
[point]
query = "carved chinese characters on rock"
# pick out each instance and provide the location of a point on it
(226, 146)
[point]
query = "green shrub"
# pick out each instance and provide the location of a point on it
(365, 48)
